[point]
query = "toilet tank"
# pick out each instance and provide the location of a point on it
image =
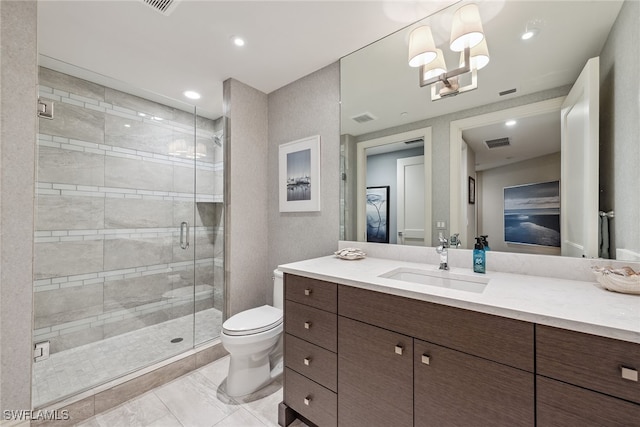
(278, 289)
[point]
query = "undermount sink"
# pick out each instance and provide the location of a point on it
(439, 278)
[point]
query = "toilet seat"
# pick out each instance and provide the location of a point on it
(253, 321)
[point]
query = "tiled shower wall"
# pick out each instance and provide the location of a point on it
(111, 194)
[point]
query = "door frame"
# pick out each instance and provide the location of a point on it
(361, 177)
(456, 193)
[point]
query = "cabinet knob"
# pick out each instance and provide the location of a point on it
(307, 400)
(307, 325)
(629, 373)
(399, 349)
(426, 359)
(307, 361)
(308, 292)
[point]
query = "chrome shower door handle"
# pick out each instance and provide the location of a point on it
(184, 243)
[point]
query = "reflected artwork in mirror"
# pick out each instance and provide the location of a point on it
(514, 128)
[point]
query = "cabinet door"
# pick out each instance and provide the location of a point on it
(375, 371)
(564, 405)
(457, 389)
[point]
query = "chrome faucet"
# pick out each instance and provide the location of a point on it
(443, 251)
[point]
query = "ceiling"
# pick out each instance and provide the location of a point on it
(378, 80)
(131, 45)
(128, 45)
(529, 137)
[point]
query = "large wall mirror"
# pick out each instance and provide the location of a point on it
(542, 156)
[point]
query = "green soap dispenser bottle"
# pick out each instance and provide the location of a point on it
(479, 259)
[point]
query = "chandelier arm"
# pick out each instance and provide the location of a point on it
(444, 77)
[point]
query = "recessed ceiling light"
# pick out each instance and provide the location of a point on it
(127, 125)
(510, 123)
(191, 94)
(529, 34)
(238, 41)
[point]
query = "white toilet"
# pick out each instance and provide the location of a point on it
(252, 337)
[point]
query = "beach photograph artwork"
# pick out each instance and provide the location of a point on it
(532, 214)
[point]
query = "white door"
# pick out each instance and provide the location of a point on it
(410, 204)
(579, 176)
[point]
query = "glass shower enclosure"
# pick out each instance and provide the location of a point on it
(128, 267)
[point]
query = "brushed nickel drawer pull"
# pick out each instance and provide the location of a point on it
(629, 374)
(307, 361)
(399, 349)
(426, 359)
(307, 400)
(308, 292)
(307, 325)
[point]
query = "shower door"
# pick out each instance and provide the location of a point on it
(127, 224)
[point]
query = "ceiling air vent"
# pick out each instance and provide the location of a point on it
(363, 118)
(507, 92)
(499, 142)
(163, 6)
(414, 141)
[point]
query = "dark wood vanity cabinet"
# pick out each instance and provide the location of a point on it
(356, 357)
(375, 376)
(416, 378)
(310, 345)
(586, 380)
(563, 405)
(452, 388)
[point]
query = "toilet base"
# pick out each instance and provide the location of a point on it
(249, 373)
(246, 375)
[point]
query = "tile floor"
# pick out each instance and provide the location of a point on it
(197, 399)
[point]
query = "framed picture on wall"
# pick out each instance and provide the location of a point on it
(299, 175)
(472, 191)
(378, 214)
(532, 214)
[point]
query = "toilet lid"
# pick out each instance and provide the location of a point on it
(253, 321)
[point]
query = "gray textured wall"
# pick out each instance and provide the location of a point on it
(18, 80)
(620, 127)
(248, 281)
(306, 107)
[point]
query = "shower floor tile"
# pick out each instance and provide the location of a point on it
(71, 371)
(197, 399)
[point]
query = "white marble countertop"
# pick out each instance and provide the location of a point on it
(570, 304)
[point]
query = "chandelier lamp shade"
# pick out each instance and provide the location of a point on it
(467, 37)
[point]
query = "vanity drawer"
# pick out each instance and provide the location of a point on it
(311, 324)
(496, 338)
(309, 399)
(313, 292)
(560, 404)
(589, 361)
(312, 361)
